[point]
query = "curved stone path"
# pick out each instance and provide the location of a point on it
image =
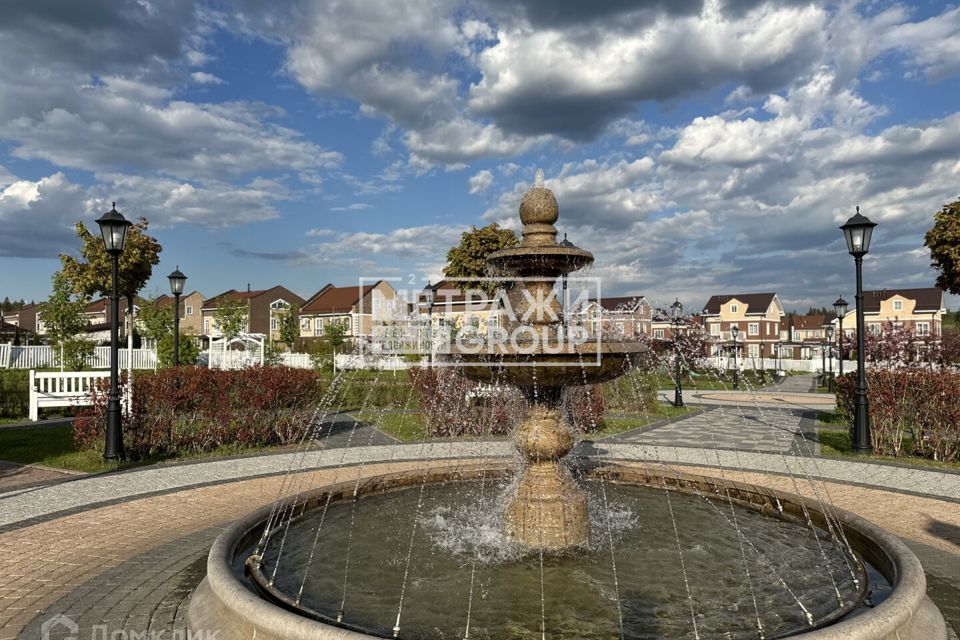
(122, 552)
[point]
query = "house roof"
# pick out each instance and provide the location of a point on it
(811, 322)
(166, 299)
(331, 299)
(6, 327)
(446, 292)
(98, 306)
(620, 303)
(928, 299)
(757, 303)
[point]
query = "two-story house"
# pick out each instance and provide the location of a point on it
(757, 317)
(919, 311)
(358, 308)
(628, 316)
(27, 318)
(191, 303)
(454, 309)
(803, 337)
(263, 309)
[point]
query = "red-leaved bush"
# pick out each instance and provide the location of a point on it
(452, 405)
(918, 407)
(186, 410)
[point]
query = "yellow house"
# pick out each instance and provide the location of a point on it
(920, 311)
(357, 307)
(452, 308)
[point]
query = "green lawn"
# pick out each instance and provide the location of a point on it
(613, 426)
(406, 427)
(711, 381)
(53, 447)
(836, 443)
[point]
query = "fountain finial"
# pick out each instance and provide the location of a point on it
(538, 212)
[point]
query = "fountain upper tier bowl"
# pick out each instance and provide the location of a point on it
(551, 365)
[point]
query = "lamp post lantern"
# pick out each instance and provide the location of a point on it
(858, 231)
(426, 302)
(113, 228)
(734, 330)
(677, 313)
(829, 333)
(840, 308)
(177, 280)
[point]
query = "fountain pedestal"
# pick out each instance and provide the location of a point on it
(549, 510)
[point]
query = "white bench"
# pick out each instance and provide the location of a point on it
(62, 389)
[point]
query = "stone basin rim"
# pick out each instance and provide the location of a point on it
(223, 602)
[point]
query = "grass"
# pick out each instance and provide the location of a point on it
(711, 381)
(836, 443)
(620, 424)
(53, 447)
(406, 427)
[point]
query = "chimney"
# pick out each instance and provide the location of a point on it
(248, 287)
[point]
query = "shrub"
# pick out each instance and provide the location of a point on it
(452, 405)
(915, 408)
(14, 393)
(190, 410)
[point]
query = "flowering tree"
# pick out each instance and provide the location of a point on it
(895, 346)
(693, 343)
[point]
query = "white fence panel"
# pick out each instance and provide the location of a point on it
(45, 357)
(296, 360)
(5, 355)
(364, 361)
(32, 357)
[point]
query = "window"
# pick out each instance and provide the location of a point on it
(318, 327)
(189, 310)
(305, 324)
(734, 308)
(620, 328)
(923, 328)
(898, 305)
(658, 333)
(206, 325)
(753, 328)
(273, 324)
(715, 329)
(279, 304)
(753, 350)
(874, 328)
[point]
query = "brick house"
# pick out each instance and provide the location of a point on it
(628, 316)
(358, 307)
(191, 320)
(803, 336)
(263, 309)
(758, 316)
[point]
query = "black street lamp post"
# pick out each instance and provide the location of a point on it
(113, 228)
(830, 358)
(840, 308)
(734, 330)
(427, 302)
(677, 309)
(857, 231)
(177, 280)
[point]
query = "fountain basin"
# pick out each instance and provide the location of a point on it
(228, 603)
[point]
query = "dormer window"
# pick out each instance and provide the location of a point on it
(733, 308)
(279, 304)
(898, 305)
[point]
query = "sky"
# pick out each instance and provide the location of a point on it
(696, 147)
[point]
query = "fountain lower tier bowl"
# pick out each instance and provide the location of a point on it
(549, 365)
(551, 261)
(421, 555)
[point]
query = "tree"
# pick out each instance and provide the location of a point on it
(189, 350)
(336, 332)
(91, 275)
(65, 324)
(943, 240)
(231, 318)
(155, 320)
(289, 326)
(469, 258)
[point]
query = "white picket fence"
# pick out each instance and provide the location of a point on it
(296, 360)
(366, 361)
(784, 364)
(45, 357)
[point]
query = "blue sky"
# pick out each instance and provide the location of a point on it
(696, 147)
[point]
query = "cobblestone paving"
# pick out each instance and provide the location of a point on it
(19, 476)
(742, 428)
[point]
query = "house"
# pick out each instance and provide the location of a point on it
(357, 307)
(758, 317)
(26, 317)
(264, 307)
(191, 320)
(919, 311)
(662, 326)
(452, 308)
(628, 316)
(803, 336)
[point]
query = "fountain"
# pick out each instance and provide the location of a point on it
(672, 554)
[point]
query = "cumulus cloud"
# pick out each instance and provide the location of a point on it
(480, 181)
(42, 213)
